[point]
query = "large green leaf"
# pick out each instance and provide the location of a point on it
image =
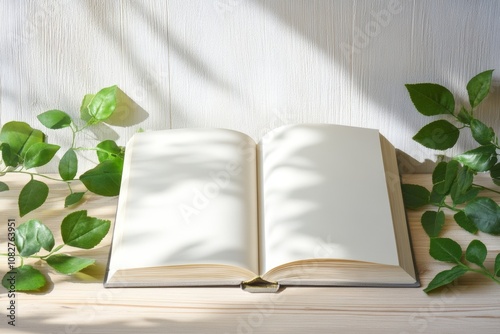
(431, 99)
(32, 196)
(445, 249)
(82, 231)
(20, 137)
(108, 150)
(24, 278)
(481, 132)
(105, 178)
(495, 174)
(438, 135)
(479, 159)
(8, 156)
(55, 119)
(432, 222)
(415, 196)
(103, 104)
(31, 236)
(445, 277)
(39, 154)
(84, 110)
(497, 265)
(476, 252)
(485, 214)
(68, 265)
(479, 87)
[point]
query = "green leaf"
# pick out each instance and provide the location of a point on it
(73, 199)
(415, 196)
(495, 174)
(108, 150)
(439, 173)
(464, 222)
(24, 278)
(450, 174)
(476, 253)
(40, 154)
(431, 99)
(32, 196)
(84, 110)
(68, 265)
(9, 158)
(436, 198)
(102, 106)
(105, 178)
(438, 135)
(445, 249)
(3, 186)
(462, 190)
(485, 214)
(479, 87)
(55, 119)
(464, 116)
(31, 236)
(82, 231)
(68, 166)
(479, 159)
(460, 198)
(481, 132)
(445, 277)
(497, 265)
(432, 222)
(20, 137)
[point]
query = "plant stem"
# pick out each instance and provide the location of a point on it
(486, 188)
(484, 273)
(40, 175)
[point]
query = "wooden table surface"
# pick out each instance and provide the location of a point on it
(80, 304)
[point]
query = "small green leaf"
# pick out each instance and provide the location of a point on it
(485, 214)
(68, 166)
(54, 119)
(415, 196)
(9, 158)
(460, 198)
(31, 236)
(3, 186)
(432, 222)
(439, 173)
(438, 135)
(431, 99)
(445, 249)
(479, 87)
(82, 231)
(103, 104)
(105, 178)
(495, 174)
(108, 149)
(84, 110)
(479, 159)
(40, 154)
(73, 199)
(497, 265)
(464, 222)
(476, 253)
(32, 196)
(445, 277)
(68, 265)
(481, 132)
(464, 116)
(24, 278)
(436, 198)
(20, 137)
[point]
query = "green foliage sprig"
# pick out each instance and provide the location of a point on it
(453, 181)
(24, 148)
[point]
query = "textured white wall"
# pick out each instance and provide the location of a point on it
(249, 65)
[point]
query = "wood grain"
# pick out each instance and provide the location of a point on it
(80, 304)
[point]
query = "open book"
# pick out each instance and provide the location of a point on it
(307, 205)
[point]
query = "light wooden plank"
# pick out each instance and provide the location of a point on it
(80, 304)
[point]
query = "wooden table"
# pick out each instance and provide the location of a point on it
(80, 304)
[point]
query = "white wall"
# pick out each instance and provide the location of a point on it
(249, 65)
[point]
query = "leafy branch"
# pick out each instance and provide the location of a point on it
(453, 181)
(77, 230)
(24, 148)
